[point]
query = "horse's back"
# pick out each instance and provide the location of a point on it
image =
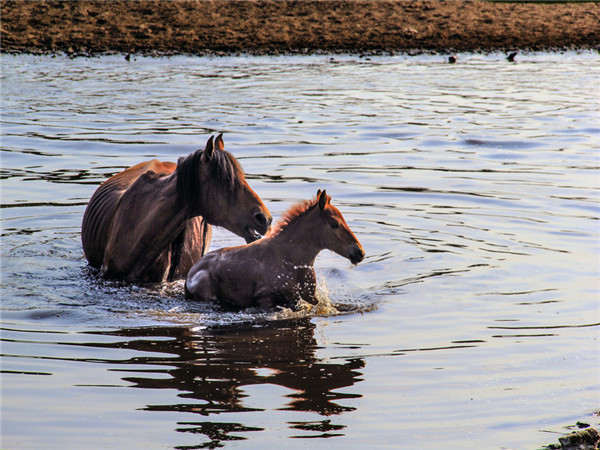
(231, 275)
(102, 206)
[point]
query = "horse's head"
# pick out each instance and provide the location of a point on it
(213, 185)
(335, 235)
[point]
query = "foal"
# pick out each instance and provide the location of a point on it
(278, 269)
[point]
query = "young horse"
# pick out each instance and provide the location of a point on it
(278, 269)
(151, 222)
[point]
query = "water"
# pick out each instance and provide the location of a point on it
(473, 321)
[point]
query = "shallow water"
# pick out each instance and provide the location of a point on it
(473, 320)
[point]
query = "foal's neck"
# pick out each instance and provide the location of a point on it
(297, 243)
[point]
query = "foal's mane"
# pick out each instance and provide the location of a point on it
(294, 212)
(224, 172)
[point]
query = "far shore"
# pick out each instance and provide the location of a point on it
(201, 27)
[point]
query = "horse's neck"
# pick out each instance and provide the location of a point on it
(296, 243)
(197, 204)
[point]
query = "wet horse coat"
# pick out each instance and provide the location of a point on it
(278, 269)
(152, 221)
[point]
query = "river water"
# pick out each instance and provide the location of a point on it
(473, 321)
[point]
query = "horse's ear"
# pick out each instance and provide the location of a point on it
(323, 199)
(208, 150)
(219, 144)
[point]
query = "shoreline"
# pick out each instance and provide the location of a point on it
(295, 27)
(71, 53)
(447, 56)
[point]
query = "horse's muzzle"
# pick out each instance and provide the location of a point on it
(251, 235)
(259, 228)
(356, 255)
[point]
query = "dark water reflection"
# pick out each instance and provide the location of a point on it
(215, 364)
(208, 372)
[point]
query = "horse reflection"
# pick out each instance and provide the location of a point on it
(213, 367)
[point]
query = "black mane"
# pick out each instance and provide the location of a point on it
(224, 172)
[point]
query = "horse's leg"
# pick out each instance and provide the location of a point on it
(307, 285)
(199, 287)
(264, 302)
(194, 243)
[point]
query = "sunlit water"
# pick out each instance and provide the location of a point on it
(472, 322)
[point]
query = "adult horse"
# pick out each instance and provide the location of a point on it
(152, 221)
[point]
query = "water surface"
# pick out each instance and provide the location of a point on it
(473, 187)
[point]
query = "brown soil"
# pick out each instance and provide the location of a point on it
(294, 26)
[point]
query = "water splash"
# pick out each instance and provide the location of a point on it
(329, 304)
(166, 303)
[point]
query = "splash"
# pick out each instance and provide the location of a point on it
(324, 306)
(327, 306)
(166, 303)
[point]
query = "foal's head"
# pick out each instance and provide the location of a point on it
(211, 183)
(333, 231)
(318, 221)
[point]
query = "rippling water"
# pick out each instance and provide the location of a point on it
(473, 187)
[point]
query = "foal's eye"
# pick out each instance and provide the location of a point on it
(334, 224)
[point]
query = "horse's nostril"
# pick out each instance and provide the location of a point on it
(357, 254)
(261, 219)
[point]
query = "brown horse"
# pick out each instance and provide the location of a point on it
(278, 269)
(152, 221)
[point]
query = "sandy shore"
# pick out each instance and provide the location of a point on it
(300, 26)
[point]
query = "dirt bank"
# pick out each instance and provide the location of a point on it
(301, 26)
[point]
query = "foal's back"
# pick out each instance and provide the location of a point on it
(228, 274)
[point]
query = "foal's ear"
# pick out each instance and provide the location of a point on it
(323, 199)
(219, 144)
(208, 150)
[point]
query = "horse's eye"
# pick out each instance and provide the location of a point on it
(334, 224)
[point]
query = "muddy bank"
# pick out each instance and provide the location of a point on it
(587, 439)
(286, 26)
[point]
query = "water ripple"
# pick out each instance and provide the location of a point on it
(476, 202)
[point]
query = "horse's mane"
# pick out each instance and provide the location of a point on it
(224, 172)
(293, 212)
